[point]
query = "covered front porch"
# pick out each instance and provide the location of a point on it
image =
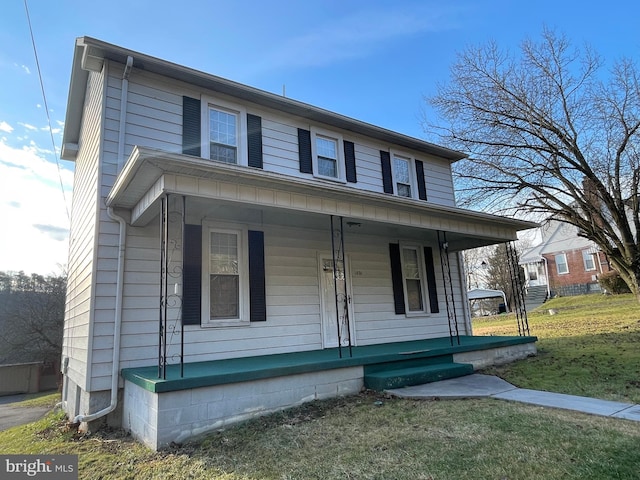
(209, 395)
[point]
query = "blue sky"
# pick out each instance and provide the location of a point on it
(372, 60)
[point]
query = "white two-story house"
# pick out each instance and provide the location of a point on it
(233, 251)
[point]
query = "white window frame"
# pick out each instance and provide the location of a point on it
(241, 128)
(589, 256)
(565, 263)
(243, 271)
(532, 272)
(413, 184)
(340, 169)
(423, 279)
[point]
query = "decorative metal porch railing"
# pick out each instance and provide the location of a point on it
(448, 287)
(172, 228)
(342, 297)
(517, 286)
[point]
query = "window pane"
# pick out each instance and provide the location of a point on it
(222, 127)
(414, 296)
(413, 281)
(589, 261)
(561, 263)
(411, 269)
(222, 153)
(326, 147)
(223, 296)
(401, 170)
(327, 167)
(224, 278)
(403, 190)
(223, 253)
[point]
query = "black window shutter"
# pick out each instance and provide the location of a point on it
(431, 280)
(350, 161)
(257, 291)
(396, 278)
(304, 151)
(385, 161)
(254, 140)
(191, 126)
(192, 271)
(422, 188)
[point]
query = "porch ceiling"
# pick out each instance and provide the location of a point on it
(281, 199)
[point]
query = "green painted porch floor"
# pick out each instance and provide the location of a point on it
(218, 372)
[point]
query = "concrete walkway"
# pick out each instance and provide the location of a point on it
(481, 386)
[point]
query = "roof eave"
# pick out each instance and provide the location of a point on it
(99, 49)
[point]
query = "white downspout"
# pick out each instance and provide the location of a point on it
(115, 366)
(123, 110)
(546, 274)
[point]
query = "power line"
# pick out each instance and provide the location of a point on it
(46, 108)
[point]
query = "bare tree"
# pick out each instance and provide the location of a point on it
(550, 133)
(475, 263)
(31, 317)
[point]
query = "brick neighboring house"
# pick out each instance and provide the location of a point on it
(564, 263)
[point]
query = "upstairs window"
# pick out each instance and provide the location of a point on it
(223, 136)
(327, 155)
(223, 131)
(561, 264)
(402, 176)
(327, 152)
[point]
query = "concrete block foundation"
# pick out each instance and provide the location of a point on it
(157, 419)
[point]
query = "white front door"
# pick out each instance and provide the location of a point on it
(333, 316)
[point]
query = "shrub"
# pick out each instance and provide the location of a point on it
(611, 282)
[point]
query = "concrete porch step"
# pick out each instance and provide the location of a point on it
(415, 375)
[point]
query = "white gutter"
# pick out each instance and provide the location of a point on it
(115, 365)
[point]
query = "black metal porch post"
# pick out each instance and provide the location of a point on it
(517, 288)
(448, 287)
(341, 299)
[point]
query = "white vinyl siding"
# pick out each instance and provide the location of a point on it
(439, 181)
(82, 236)
(154, 119)
(154, 113)
(293, 301)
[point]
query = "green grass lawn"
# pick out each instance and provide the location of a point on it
(590, 347)
(587, 348)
